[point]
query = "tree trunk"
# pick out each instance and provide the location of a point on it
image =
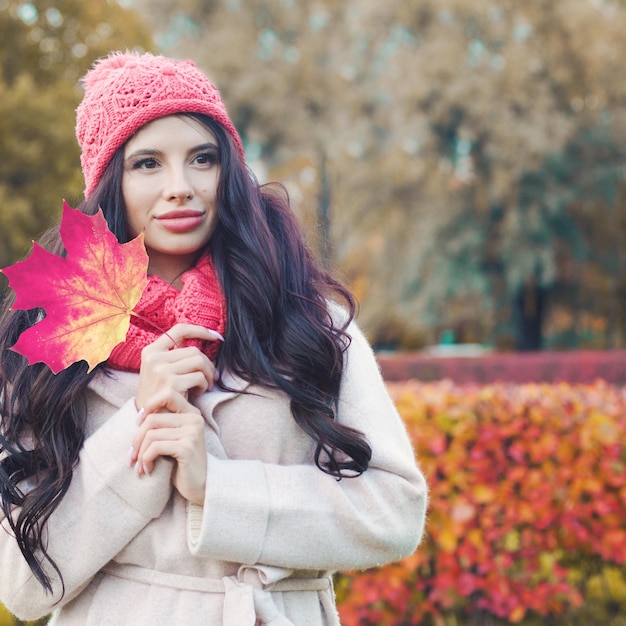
(528, 313)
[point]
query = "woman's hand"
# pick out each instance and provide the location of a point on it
(174, 428)
(167, 367)
(170, 425)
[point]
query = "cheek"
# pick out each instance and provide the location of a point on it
(209, 196)
(209, 187)
(134, 198)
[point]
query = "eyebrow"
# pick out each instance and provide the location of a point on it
(141, 153)
(205, 146)
(151, 152)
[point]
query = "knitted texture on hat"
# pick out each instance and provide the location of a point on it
(200, 301)
(124, 91)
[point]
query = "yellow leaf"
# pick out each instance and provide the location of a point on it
(448, 540)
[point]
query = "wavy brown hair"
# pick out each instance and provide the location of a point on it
(279, 333)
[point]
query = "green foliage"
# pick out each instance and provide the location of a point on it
(45, 47)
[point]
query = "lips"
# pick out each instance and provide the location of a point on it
(181, 220)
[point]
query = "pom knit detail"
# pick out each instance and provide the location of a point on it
(124, 91)
(200, 301)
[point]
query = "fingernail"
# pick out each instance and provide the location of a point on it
(215, 334)
(131, 454)
(137, 468)
(140, 415)
(145, 470)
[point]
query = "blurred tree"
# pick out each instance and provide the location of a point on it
(592, 172)
(423, 133)
(45, 47)
(304, 82)
(535, 81)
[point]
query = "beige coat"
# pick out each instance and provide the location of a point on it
(272, 530)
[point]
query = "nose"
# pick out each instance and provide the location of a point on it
(178, 187)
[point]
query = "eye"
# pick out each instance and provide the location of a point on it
(145, 164)
(206, 158)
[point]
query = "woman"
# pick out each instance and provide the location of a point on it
(220, 472)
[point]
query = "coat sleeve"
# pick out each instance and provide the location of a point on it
(298, 517)
(105, 507)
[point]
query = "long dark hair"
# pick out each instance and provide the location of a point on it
(279, 333)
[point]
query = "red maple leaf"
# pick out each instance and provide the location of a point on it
(88, 296)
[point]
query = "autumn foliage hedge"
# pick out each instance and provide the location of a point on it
(578, 366)
(527, 516)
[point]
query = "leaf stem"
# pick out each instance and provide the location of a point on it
(155, 326)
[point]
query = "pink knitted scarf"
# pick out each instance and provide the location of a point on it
(200, 301)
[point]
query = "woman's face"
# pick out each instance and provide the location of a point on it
(171, 173)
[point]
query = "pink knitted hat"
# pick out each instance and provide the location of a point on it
(124, 91)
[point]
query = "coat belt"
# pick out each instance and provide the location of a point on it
(247, 598)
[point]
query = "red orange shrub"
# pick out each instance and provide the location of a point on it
(526, 481)
(580, 366)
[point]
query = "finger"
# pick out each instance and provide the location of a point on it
(159, 443)
(194, 331)
(161, 422)
(176, 335)
(175, 384)
(180, 438)
(188, 451)
(192, 356)
(194, 380)
(154, 357)
(168, 401)
(166, 442)
(181, 369)
(171, 355)
(183, 361)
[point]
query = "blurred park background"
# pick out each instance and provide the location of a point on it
(462, 165)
